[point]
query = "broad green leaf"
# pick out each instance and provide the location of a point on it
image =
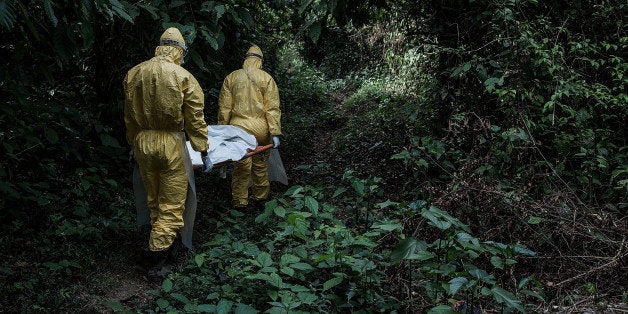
(497, 262)
(166, 286)
(162, 303)
(307, 297)
(507, 298)
(331, 283)
(456, 283)
(299, 288)
(288, 259)
(206, 308)
(199, 259)
(386, 204)
(301, 266)
(358, 186)
(339, 191)
(405, 248)
(264, 259)
(280, 211)
(122, 13)
(312, 204)
(287, 270)
(275, 280)
(523, 250)
(180, 297)
(490, 83)
(210, 39)
(299, 222)
(441, 309)
(294, 191)
(388, 226)
(436, 221)
(224, 306)
(213, 296)
(273, 294)
(220, 10)
(481, 275)
(245, 309)
(268, 269)
(421, 255)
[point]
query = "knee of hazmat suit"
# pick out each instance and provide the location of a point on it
(162, 99)
(249, 99)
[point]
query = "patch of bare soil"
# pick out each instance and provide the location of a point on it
(119, 279)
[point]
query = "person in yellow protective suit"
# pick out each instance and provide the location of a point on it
(249, 99)
(161, 100)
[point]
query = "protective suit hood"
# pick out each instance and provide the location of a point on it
(253, 58)
(172, 45)
(171, 53)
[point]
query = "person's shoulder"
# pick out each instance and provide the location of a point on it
(139, 65)
(179, 70)
(263, 72)
(235, 72)
(265, 75)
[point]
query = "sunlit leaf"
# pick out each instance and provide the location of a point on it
(456, 283)
(224, 306)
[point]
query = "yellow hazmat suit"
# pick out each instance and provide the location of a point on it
(162, 99)
(249, 99)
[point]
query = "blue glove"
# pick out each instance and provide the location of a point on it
(276, 141)
(207, 164)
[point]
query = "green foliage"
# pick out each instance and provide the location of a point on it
(446, 267)
(548, 91)
(507, 114)
(298, 258)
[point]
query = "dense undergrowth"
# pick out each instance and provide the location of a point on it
(450, 155)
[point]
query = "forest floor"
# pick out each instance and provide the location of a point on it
(121, 277)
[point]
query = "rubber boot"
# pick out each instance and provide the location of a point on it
(176, 250)
(157, 261)
(258, 205)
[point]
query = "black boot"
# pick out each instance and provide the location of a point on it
(157, 269)
(176, 250)
(258, 206)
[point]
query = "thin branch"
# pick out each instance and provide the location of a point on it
(619, 256)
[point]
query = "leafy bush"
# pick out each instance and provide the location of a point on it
(298, 256)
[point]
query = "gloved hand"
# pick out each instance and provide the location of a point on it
(207, 164)
(276, 141)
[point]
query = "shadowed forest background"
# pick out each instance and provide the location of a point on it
(444, 156)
